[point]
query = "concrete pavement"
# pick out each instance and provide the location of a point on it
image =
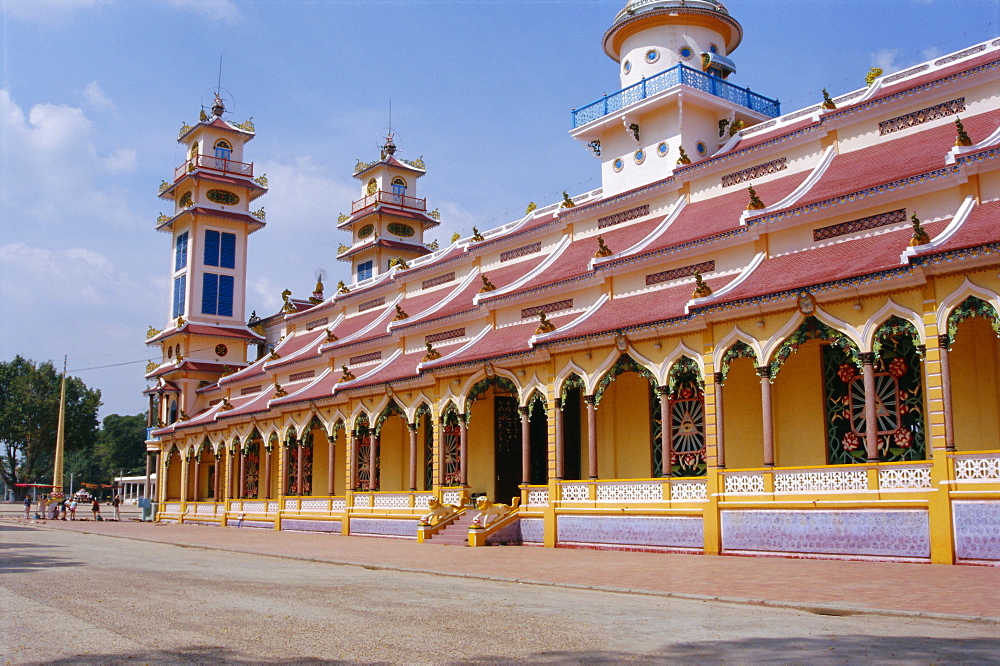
(835, 587)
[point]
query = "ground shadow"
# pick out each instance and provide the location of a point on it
(851, 648)
(198, 654)
(17, 557)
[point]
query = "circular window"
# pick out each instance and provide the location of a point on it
(618, 165)
(662, 149)
(627, 67)
(222, 197)
(713, 48)
(185, 200)
(639, 156)
(701, 147)
(400, 229)
(652, 55)
(170, 351)
(372, 187)
(686, 52)
(366, 231)
(221, 350)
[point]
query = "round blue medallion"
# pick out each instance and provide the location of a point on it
(662, 149)
(618, 165)
(640, 156)
(652, 55)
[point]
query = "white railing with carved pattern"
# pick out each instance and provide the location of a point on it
(451, 497)
(688, 491)
(422, 500)
(172, 507)
(314, 505)
(574, 492)
(253, 507)
(909, 477)
(338, 504)
(362, 501)
(820, 480)
(630, 491)
(538, 496)
(743, 483)
(291, 504)
(391, 500)
(981, 467)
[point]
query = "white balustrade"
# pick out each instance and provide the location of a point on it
(254, 507)
(573, 492)
(391, 501)
(744, 483)
(291, 504)
(314, 505)
(208, 509)
(694, 491)
(451, 497)
(820, 481)
(538, 497)
(422, 501)
(338, 504)
(904, 478)
(362, 501)
(984, 467)
(272, 507)
(633, 491)
(172, 508)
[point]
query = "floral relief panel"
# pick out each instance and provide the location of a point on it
(898, 407)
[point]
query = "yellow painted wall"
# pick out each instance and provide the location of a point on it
(340, 470)
(742, 418)
(975, 386)
(799, 424)
(482, 469)
(174, 477)
(320, 455)
(623, 429)
(394, 459)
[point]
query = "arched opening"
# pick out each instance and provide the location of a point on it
(574, 451)
(393, 439)
(365, 477)
(683, 451)
(251, 466)
(626, 431)
(425, 447)
(337, 483)
(173, 463)
(494, 438)
(538, 429)
(299, 456)
(974, 374)
(451, 452)
(398, 186)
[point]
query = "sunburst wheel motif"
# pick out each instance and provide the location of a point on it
(886, 404)
(687, 426)
(452, 455)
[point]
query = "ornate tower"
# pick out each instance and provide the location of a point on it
(674, 64)
(388, 222)
(211, 193)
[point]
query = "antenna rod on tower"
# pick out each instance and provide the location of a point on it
(218, 88)
(390, 116)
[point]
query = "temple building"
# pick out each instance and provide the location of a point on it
(767, 332)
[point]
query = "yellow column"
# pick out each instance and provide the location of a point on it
(711, 517)
(555, 464)
(350, 472)
(939, 507)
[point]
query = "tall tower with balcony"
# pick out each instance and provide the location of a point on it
(211, 194)
(674, 64)
(388, 222)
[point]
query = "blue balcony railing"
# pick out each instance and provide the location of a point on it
(668, 79)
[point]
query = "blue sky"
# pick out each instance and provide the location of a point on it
(93, 92)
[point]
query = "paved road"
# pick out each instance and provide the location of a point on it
(71, 596)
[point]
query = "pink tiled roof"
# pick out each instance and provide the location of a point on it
(980, 228)
(498, 342)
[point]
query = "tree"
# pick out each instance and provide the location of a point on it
(121, 444)
(29, 417)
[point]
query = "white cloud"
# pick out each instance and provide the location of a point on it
(96, 97)
(49, 10)
(886, 59)
(214, 9)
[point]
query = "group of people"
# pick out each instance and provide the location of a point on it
(57, 509)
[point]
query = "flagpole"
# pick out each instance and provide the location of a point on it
(57, 471)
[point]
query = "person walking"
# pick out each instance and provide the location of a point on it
(96, 508)
(27, 507)
(43, 507)
(116, 504)
(72, 509)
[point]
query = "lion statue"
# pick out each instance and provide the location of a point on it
(439, 512)
(490, 511)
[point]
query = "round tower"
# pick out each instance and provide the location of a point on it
(649, 36)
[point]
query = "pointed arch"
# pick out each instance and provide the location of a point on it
(888, 311)
(682, 448)
(796, 322)
(478, 389)
(625, 363)
(392, 408)
(891, 329)
(611, 362)
(572, 381)
(972, 307)
(738, 349)
(954, 299)
(413, 410)
(680, 351)
(812, 328)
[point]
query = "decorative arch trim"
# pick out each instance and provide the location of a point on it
(969, 308)
(738, 349)
(812, 328)
(892, 327)
(572, 381)
(625, 363)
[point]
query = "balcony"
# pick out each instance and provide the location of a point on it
(679, 74)
(389, 198)
(212, 163)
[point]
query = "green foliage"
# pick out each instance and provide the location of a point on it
(121, 444)
(29, 416)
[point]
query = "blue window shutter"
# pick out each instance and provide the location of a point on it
(227, 255)
(211, 248)
(210, 293)
(364, 271)
(225, 296)
(181, 254)
(180, 283)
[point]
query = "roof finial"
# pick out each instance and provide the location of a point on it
(218, 108)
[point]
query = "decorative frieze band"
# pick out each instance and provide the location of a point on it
(548, 307)
(682, 272)
(374, 303)
(522, 251)
(250, 390)
(961, 54)
(365, 358)
(754, 172)
(624, 216)
(446, 335)
(905, 73)
(440, 279)
(299, 376)
(317, 322)
(853, 226)
(922, 116)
